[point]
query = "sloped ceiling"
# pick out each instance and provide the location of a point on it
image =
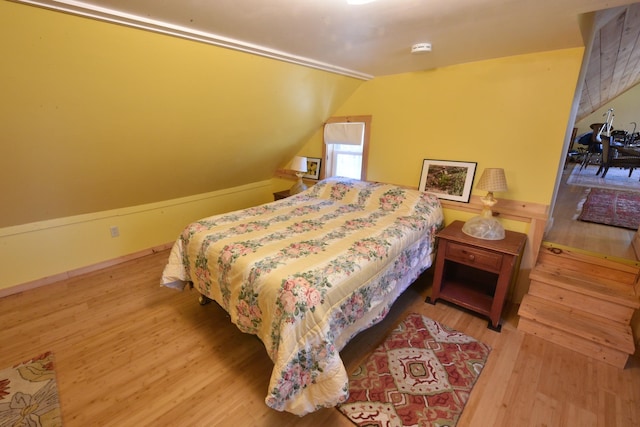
(371, 39)
(376, 38)
(614, 62)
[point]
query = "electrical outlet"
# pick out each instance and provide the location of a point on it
(115, 231)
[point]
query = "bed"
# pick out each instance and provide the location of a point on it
(307, 273)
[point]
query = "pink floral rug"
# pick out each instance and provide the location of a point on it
(29, 395)
(421, 375)
(612, 207)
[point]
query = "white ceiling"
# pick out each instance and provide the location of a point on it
(363, 40)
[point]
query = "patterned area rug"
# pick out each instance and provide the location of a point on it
(29, 395)
(616, 179)
(420, 376)
(612, 207)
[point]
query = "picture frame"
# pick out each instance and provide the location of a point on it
(313, 168)
(449, 180)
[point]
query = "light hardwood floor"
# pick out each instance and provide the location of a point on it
(608, 241)
(130, 353)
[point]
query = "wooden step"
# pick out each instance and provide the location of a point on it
(581, 301)
(587, 325)
(589, 266)
(587, 333)
(587, 348)
(581, 283)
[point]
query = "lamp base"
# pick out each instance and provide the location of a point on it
(485, 228)
(298, 187)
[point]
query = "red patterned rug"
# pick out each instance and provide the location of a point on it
(612, 207)
(421, 375)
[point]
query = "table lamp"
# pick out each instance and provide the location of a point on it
(485, 226)
(299, 166)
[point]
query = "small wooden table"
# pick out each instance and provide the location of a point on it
(629, 151)
(475, 273)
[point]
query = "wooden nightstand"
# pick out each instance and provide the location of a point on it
(279, 195)
(475, 273)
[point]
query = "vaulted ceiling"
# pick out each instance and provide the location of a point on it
(376, 38)
(614, 61)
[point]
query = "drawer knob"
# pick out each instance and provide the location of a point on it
(472, 257)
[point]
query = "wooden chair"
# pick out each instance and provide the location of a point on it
(594, 149)
(618, 157)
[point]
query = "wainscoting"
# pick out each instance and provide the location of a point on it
(40, 253)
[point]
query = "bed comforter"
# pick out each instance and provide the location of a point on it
(307, 273)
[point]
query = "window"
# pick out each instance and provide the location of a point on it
(346, 144)
(346, 160)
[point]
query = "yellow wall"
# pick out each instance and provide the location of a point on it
(45, 251)
(104, 125)
(97, 116)
(109, 126)
(508, 112)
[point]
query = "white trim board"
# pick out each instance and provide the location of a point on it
(134, 21)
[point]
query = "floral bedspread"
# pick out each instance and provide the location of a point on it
(307, 273)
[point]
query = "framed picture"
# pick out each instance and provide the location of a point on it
(448, 179)
(313, 168)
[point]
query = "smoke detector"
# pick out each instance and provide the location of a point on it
(421, 47)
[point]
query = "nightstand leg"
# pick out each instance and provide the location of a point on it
(497, 328)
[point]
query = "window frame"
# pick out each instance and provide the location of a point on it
(365, 143)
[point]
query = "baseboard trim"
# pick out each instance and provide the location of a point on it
(82, 270)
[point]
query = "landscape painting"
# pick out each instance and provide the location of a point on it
(450, 180)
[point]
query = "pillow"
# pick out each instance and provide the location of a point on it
(374, 195)
(343, 190)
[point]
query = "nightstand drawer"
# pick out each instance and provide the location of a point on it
(474, 257)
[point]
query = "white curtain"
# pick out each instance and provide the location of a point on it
(344, 133)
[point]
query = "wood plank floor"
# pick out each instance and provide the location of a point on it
(130, 353)
(594, 238)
